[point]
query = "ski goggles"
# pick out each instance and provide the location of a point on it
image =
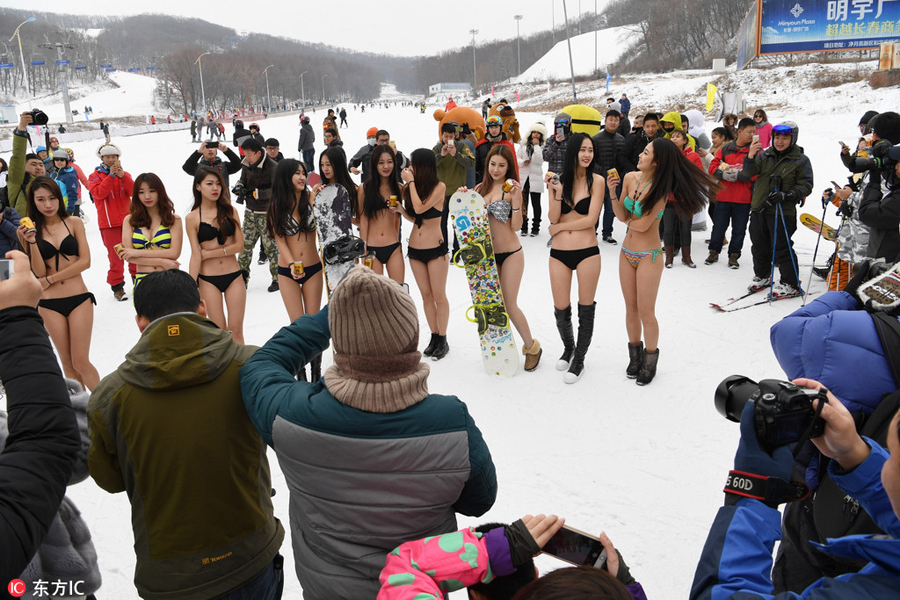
(494, 120)
(782, 130)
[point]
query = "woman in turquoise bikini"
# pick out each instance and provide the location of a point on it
(663, 173)
(575, 202)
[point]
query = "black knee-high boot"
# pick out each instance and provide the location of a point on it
(564, 325)
(315, 369)
(585, 333)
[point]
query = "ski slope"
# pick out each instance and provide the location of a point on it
(553, 66)
(644, 464)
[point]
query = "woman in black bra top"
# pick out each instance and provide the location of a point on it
(423, 199)
(575, 249)
(505, 218)
(292, 225)
(59, 252)
(214, 231)
(379, 227)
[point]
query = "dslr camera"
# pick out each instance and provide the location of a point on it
(38, 117)
(240, 193)
(783, 412)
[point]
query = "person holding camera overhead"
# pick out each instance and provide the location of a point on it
(207, 156)
(255, 188)
(111, 188)
(23, 166)
(737, 557)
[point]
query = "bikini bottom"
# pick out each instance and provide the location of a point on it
(634, 256)
(571, 258)
(221, 281)
(499, 257)
(65, 306)
(384, 253)
(308, 271)
(428, 254)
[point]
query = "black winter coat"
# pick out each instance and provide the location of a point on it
(37, 462)
(607, 148)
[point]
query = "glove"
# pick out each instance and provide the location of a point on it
(751, 458)
(521, 545)
(465, 129)
(624, 573)
(860, 275)
(827, 196)
(730, 175)
(845, 209)
(776, 198)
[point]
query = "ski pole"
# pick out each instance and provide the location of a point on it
(790, 249)
(774, 246)
(816, 251)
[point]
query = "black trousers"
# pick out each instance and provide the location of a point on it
(764, 228)
(535, 207)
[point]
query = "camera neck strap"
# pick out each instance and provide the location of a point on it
(769, 490)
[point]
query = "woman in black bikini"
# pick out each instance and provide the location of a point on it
(379, 227)
(424, 200)
(663, 173)
(216, 239)
(293, 227)
(59, 252)
(575, 203)
(505, 216)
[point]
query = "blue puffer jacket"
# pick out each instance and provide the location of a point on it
(361, 483)
(832, 341)
(8, 227)
(737, 558)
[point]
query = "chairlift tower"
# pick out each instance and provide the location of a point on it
(60, 46)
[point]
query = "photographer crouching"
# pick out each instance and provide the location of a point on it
(737, 557)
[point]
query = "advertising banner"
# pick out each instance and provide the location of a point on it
(746, 39)
(827, 25)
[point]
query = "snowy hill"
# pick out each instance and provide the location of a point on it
(553, 66)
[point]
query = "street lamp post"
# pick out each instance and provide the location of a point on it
(202, 91)
(518, 45)
(268, 96)
(323, 88)
(22, 56)
(302, 93)
(474, 32)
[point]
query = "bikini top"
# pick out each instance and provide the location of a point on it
(67, 247)
(637, 209)
(582, 207)
(293, 227)
(431, 213)
(207, 232)
(162, 239)
(500, 210)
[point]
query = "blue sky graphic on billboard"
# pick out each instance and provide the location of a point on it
(803, 25)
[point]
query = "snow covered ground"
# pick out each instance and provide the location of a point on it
(646, 465)
(586, 57)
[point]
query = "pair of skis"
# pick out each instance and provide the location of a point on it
(727, 306)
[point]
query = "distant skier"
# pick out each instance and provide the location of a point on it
(343, 115)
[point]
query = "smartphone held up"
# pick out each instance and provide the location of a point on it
(576, 547)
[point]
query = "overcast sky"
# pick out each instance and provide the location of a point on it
(400, 27)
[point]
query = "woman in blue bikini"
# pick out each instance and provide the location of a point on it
(216, 239)
(663, 173)
(152, 234)
(575, 203)
(423, 198)
(59, 252)
(379, 227)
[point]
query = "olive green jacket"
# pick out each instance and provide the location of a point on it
(169, 427)
(791, 165)
(18, 179)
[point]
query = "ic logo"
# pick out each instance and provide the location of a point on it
(174, 330)
(16, 588)
(797, 11)
(463, 223)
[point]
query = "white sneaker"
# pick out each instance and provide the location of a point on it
(759, 283)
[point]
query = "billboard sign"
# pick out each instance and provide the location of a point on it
(826, 25)
(746, 39)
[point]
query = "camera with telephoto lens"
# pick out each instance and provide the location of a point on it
(783, 411)
(240, 193)
(38, 117)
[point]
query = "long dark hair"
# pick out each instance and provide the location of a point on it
(575, 582)
(573, 146)
(529, 143)
(338, 161)
(676, 176)
(224, 210)
(284, 199)
(140, 216)
(487, 184)
(46, 183)
(373, 203)
(423, 162)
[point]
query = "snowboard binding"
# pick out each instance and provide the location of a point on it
(344, 249)
(473, 253)
(488, 314)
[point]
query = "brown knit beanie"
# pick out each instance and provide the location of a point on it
(375, 331)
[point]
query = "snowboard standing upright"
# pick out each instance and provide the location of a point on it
(498, 347)
(335, 230)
